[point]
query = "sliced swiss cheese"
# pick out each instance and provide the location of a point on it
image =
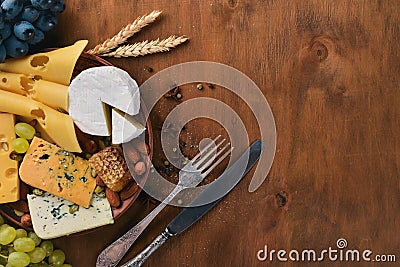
(95, 87)
(57, 171)
(54, 95)
(9, 181)
(59, 126)
(55, 66)
(51, 216)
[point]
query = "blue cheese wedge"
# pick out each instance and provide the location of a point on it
(51, 215)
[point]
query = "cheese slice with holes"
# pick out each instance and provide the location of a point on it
(55, 66)
(54, 95)
(9, 181)
(55, 170)
(58, 126)
(124, 127)
(95, 87)
(51, 217)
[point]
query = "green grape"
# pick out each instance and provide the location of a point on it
(20, 145)
(37, 255)
(40, 264)
(66, 265)
(4, 226)
(24, 244)
(19, 259)
(35, 238)
(48, 246)
(21, 233)
(57, 258)
(1, 220)
(7, 235)
(24, 130)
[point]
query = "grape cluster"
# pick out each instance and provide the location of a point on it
(18, 248)
(23, 23)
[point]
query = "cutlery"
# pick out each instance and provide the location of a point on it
(190, 215)
(189, 176)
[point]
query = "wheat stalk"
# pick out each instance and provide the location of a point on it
(147, 47)
(123, 35)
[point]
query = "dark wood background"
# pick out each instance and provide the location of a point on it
(330, 71)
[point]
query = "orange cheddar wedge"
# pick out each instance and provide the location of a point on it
(57, 171)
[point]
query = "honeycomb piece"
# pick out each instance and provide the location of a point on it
(111, 167)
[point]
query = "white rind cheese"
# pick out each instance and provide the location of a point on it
(124, 127)
(95, 86)
(51, 215)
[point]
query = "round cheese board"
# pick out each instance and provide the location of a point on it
(84, 62)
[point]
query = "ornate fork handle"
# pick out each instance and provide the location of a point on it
(114, 252)
(142, 256)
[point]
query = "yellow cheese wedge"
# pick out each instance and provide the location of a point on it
(58, 172)
(55, 66)
(54, 95)
(57, 125)
(9, 181)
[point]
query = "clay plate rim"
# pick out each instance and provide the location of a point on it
(86, 61)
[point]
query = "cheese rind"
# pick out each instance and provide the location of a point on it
(9, 181)
(51, 217)
(52, 169)
(51, 94)
(124, 127)
(95, 86)
(55, 66)
(58, 126)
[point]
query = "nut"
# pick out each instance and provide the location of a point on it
(26, 220)
(132, 155)
(20, 205)
(128, 191)
(113, 198)
(141, 146)
(100, 182)
(140, 168)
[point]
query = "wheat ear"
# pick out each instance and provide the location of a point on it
(126, 32)
(147, 47)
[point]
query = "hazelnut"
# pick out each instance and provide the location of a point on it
(140, 168)
(26, 220)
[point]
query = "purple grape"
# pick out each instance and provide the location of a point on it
(37, 38)
(24, 30)
(43, 4)
(46, 22)
(3, 53)
(30, 13)
(58, 7)
(16, 48)
(11, 8)
(5, 32)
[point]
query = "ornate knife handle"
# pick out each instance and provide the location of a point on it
(110, 256)
(142, 256)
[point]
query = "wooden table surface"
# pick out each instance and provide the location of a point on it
(330, 71)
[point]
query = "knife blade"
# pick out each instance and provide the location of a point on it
(194, 212)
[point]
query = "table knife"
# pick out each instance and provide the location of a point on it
(192, 214)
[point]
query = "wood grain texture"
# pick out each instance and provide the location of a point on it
(330, 71)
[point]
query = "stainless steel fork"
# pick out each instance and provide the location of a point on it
(189, 176)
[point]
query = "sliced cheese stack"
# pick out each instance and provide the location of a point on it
(51, 215)
(9, 182)
(57, 171)
(35, 86)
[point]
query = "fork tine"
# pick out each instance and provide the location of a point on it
(208, 154)
(208, 163)
(207, 147)
(216, 163)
